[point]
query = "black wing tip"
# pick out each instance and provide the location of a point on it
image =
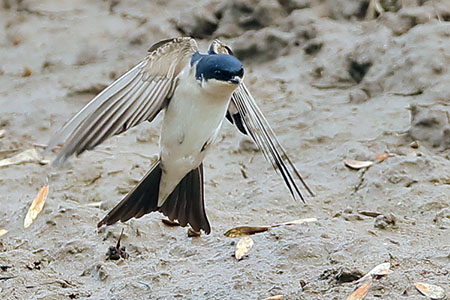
(297, 189)
(311, 193)
(207, 230)
(205, 227)
(111, 220)
(161, 43)
(259, 129)
(101, 223)
(106, 221)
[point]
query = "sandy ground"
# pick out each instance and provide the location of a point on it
(336, 80)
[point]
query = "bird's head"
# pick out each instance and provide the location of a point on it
(218, 71)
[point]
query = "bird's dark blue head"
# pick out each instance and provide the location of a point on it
(221, 67)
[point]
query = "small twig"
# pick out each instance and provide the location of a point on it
(331, 86)
(414, 93)
(7, 277)
(145, 284)
(93, 180)
(118, 241)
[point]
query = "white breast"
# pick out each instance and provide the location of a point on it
(191, 123)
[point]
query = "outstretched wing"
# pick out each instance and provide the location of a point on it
(245, 114)
(262, 134)
(136, 96)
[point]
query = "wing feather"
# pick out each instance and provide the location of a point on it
(245, 114)
(263, 135)
(138, 95)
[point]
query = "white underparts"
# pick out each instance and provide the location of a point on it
(191, 124)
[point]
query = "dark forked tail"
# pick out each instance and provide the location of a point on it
(185, 203)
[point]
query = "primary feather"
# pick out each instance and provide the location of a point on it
(138, 95)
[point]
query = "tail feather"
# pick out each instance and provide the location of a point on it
(182, 207)
(197, 210)
(139, 201)
(185, 203)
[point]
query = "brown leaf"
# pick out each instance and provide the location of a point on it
(276, 297)
(379, 270)
(367, 213)
(249, 230)
(27, 72)
(36, 206)
(3, 232)
(361, 291)
(414, 144)
(30, 155)
(357, 164)
(383, 156)
(243, 246)
(429, 290)
(245, 230)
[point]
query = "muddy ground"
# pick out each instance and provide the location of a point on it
(336, 79)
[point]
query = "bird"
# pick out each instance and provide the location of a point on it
(197, 92)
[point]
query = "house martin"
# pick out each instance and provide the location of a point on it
(197, 91)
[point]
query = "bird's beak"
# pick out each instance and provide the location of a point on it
(235, 80)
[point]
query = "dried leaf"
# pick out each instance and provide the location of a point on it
(299, 221)
(361, 291)
(367, 213)
(414, 144)
(27, 71)
(36, 206)
(380, 270)
(429, 290)
(170, 223)
(3, 232)
(276, 297)
(30, 155)
(249, 230)
(357, 164)
(243, 246)
(245, 230)
(383, 156)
